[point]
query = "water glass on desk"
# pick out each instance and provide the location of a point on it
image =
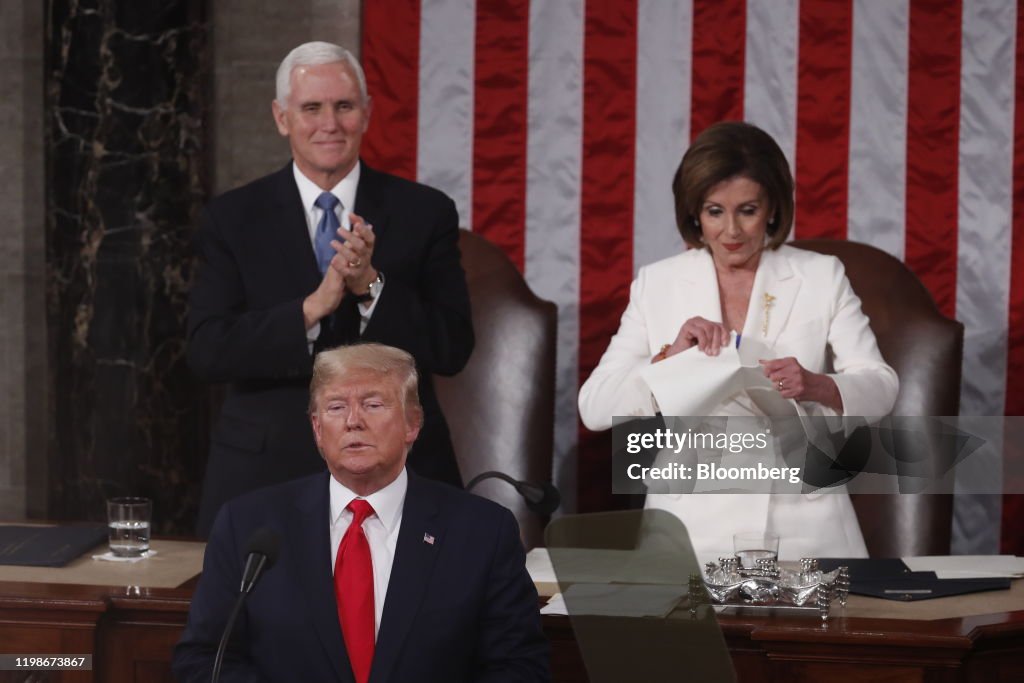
(751, 546)
(128, 522)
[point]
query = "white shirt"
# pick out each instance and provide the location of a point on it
(345, 191)
(381, 529)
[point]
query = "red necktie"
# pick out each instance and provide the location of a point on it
(353, 589)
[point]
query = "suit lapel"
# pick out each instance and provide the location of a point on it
(695, 292)
(414, 560)
(373, 207)
(771, 300)
(310, 527)
(287, 217)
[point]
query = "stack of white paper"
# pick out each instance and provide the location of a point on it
(720, 378)
(968, 566)
(615, 600)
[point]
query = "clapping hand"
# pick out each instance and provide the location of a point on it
(354, 256)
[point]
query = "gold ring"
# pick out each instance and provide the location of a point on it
(356, 263)
(780, 385)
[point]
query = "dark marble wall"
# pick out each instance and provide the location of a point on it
(126, 86)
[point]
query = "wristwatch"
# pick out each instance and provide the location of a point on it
(374, 289)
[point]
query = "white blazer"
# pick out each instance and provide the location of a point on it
(813, 310)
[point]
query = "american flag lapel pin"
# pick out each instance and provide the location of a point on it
(428, 539)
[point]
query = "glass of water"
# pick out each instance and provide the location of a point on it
(751, 546)
(128, 525)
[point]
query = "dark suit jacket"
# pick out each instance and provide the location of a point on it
(245, 322)
(460, 609)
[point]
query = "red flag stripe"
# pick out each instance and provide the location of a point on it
(1015, 364)
(390, 57)
(606, 202)
(823, 118)
(719, 48)
(500, 120)
(933, 123)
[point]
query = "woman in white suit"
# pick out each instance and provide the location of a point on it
(734, 209)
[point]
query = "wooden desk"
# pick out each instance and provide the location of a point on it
(131, 631)
(129, 626)
(961, 639)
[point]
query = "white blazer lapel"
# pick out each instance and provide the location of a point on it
(691, 291)
(700, 293)
(771, 300)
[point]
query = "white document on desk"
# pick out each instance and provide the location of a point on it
(647, 566)
(693, 383)
(968, 566)
(616, 600)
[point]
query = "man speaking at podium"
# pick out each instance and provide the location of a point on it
(380, 575)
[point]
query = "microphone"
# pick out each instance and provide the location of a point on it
(261, 553)
(541, 498)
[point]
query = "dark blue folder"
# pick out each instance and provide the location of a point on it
(47, 546)
(890, 579)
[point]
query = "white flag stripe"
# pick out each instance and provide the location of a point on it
(770, 70)
(984, 233)
(552, 241)
(664, 32)
(444, 156)
(878, 125)
(986, 201)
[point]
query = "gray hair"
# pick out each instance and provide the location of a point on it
(314, 54)
(386, 361)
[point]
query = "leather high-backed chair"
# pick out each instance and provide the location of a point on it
(501, 407)
(925, 348)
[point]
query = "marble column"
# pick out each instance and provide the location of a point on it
(126, 86)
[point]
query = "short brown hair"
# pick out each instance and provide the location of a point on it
(730, 149)
(386, 361)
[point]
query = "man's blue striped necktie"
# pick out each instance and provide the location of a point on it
(326, 230)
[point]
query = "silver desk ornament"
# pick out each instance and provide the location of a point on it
(767, 585)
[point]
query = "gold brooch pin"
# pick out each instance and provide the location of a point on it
(768, 301)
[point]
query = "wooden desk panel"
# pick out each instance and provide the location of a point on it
(131, 634)
(849, 649)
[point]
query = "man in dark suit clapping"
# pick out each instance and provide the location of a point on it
(429, 582)
(323, 252)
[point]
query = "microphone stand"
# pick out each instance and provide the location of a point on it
(218, 661)
(262, 555)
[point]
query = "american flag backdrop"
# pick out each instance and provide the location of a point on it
(556, 126)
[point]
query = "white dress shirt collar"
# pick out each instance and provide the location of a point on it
(387, 503)
(345, 191)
